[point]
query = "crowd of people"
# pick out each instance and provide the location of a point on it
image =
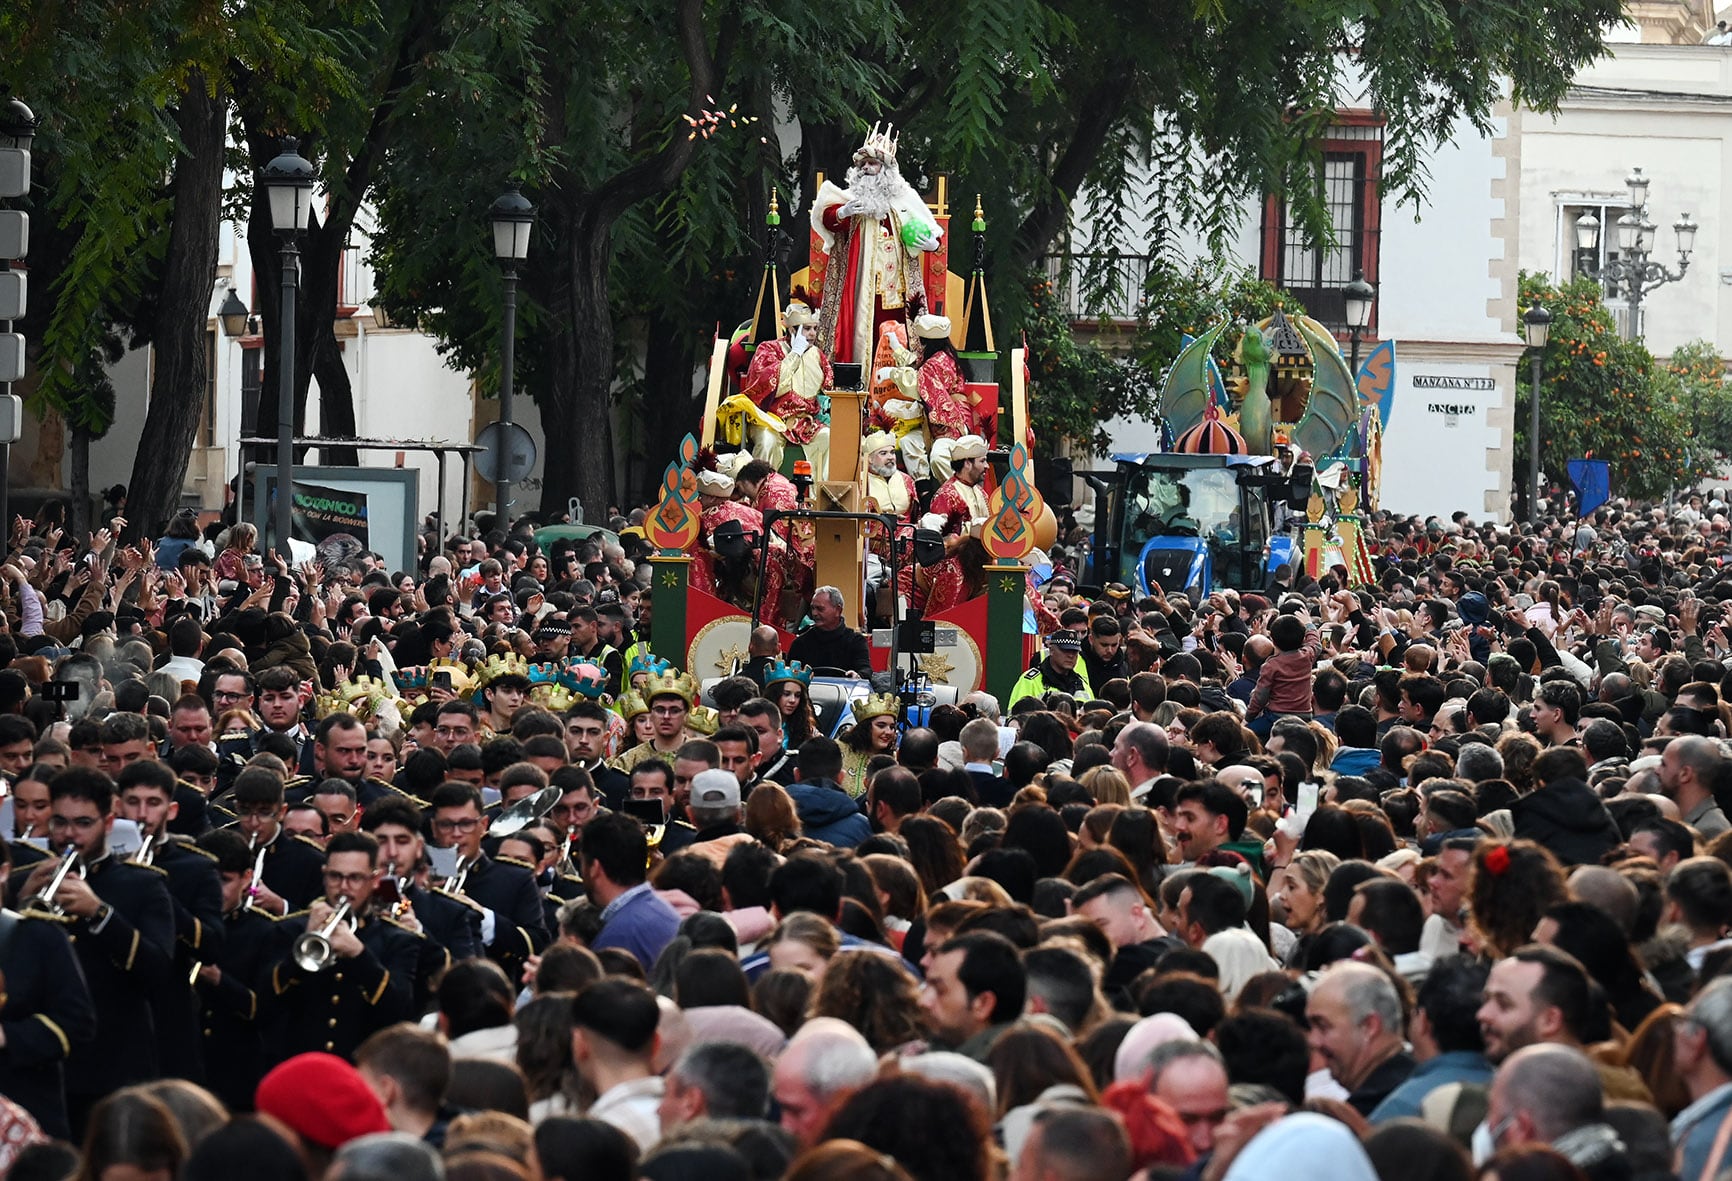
(334, 871)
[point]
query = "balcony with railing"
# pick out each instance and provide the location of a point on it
(1099, 290)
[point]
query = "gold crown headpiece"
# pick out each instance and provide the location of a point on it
(879, 145)
(876, 706)
(670, 682)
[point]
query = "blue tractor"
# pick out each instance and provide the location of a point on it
(1194, 524)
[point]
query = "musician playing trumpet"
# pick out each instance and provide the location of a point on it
(123, 929)
(368, 983)
(512, 924)
(451, 922)
(146, 791)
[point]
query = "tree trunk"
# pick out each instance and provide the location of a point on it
(177, 391)
(671, 356)
(576, 414)
(318, 354)
(78, 483)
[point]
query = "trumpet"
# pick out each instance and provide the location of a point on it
(146, 852)
(42, 902)
(393, 894)
(312, 950)
(258, 871)
(454, 884)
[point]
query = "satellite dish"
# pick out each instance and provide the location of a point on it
(514, 444)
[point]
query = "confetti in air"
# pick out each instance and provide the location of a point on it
(710, 120)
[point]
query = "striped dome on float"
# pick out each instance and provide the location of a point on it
(1210, 437)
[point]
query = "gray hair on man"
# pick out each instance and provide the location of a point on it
(834, 594)
(1479, 762)
(1167, 1053)
(387, 1156)
(1712, 1010)
(832, 1056)
(1367, 992)
(1556, 1085)
(735, 1082)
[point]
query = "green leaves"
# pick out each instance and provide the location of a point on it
(1604, 397)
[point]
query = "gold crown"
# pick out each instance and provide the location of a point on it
(462, 679)
(880, 145)
(703, 720)
(876, 706)
(630, 704)
(556, 698)
(498, 665)
(361, 697)
(671, 682)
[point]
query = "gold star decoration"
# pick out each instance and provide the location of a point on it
(670, 579)
(1007, 585)
(937, 666)
(725, 661)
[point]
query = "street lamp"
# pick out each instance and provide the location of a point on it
(1634, 272)
(288, 182)
(1537, 325)
(513, 217)
(1359, 296)
(17, 125)
(237, 321)
(234, 315)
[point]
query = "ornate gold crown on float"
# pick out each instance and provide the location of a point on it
(876, 706)
(670, 682)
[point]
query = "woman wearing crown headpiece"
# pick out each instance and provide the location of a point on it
(874, 733)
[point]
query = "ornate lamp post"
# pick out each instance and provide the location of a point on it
(1634, 272)
(513, 217)
(288, 181)
(1537, 325)
(1360, 295)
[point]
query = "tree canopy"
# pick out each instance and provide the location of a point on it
(649, 234)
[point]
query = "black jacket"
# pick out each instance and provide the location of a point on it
(841, 647)
(338, 1009)
(48, 1014)
(1569, 818)
(232, 1011)
(126, 965)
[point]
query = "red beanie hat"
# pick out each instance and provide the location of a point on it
(1157, 1134)
(323, 1098)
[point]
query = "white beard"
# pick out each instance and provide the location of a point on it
(877, 195)
(884, 472)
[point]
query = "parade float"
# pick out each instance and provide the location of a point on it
(1287, 442)
(830, 418)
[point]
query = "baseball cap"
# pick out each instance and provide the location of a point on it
(715, 789)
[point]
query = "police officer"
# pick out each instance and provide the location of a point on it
(369, 981)
(45, 1011)
(232, 988)
(1058, 673)
(146, 797)
(292, 865)
(121, 923)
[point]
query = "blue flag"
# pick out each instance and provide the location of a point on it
(1593, 481)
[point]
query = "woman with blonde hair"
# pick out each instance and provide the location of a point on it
(231, 564)
(1107, 785)
(771, 817)
(1298, 887)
